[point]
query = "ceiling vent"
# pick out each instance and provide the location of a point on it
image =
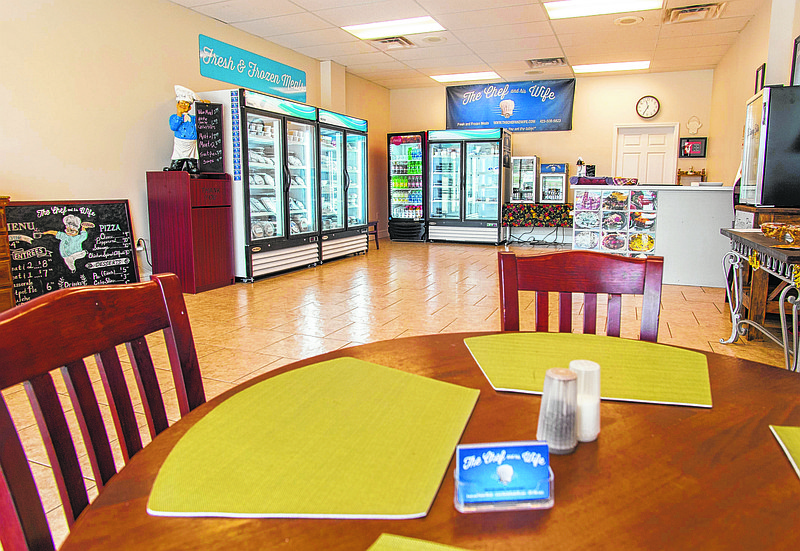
(393, 43)
(698, 12)
(545, 62)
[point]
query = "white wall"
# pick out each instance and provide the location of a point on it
(87, 89)
(601, 102)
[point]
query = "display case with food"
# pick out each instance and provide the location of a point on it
(613, 220)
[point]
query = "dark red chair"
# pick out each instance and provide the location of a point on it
(587, 272)
(57, 331)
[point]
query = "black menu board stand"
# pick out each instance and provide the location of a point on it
(60, 244)
(209, 136)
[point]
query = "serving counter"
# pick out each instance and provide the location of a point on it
(680, 223)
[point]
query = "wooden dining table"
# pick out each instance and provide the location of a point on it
(657, 477)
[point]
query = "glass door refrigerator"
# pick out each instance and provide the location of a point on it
(271, 152)
(407, 186)
(343, 184)
(524, 173)
(771, 153)
(469, 177)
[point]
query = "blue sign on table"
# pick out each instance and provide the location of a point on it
(233, 65)
(528, 106)
(503, 472)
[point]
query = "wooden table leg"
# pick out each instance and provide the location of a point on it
(759, 289)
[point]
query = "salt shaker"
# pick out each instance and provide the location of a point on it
(588, 421)
(558, 410)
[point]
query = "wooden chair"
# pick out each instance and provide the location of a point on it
(372, 229)
(57, 331)
(586, 272)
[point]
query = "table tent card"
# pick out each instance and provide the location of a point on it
(789, 439)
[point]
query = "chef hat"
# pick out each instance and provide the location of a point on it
(72, 221)
(184, 94)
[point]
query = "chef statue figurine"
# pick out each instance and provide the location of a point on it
(184, 152)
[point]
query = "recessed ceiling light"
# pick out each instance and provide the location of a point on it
(583, 8)
(608, 67)
(385, 29)
(465, 76)
(627, 20)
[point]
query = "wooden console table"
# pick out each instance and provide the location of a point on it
(765, 257)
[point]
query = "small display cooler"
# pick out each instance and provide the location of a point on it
(524, 171)
(553, 183)
(615, 220)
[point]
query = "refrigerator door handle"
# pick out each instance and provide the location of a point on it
(346, 180)
(287, 178)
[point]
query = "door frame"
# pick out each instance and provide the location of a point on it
(675, 126)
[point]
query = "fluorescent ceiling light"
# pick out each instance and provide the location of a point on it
(608, 67)
(466, 76)
(583, 8)
(385, 29)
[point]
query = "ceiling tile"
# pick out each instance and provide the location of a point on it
(595, 23)
(418, 82)
(456, 6)
(313, 5)
(520, 55)
(334, 35)
(698, 41)
(478, 18)
(663, 54)
(501, 32)
(434, 52)
(235, 11)
(458, 64)
(733, 24)
(531, 43)
(285, 24)
(370, 58)
(329, 50)
(386, 10)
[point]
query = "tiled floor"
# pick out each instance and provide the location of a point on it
(400, 290)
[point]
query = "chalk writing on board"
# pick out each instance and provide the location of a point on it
(209, 136)
(57, 246)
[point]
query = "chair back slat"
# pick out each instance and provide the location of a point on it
(614, 315)
(58, 444)
(180, 347)
(587, 272)
(90, 422)
(119, 399)
(590, 313)
(57, 331)
(565, 312)
(24, 524)
(147, 383)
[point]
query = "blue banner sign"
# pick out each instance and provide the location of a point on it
(233, 65)
(528, 106)
(337, 119)
(553, 168)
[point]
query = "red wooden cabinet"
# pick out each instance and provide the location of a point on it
(191, 228)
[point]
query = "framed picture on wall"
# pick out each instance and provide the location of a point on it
(693, 147)
(795, 79)
(760, 77)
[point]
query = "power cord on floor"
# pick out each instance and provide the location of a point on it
(543, 242)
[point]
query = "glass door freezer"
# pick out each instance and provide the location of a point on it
(343, 184)
(407, 186)
(270, 150)
(469, 176)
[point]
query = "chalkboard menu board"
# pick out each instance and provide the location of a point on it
(209, 136)
(59, 244)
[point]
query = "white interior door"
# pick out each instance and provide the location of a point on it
(648, 152)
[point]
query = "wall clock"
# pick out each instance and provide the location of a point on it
(647, 107)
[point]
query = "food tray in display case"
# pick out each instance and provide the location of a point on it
(621, 221)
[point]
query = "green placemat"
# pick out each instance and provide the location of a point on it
(630, 370)
(343, 438)
(390, 542)
(789, 439)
